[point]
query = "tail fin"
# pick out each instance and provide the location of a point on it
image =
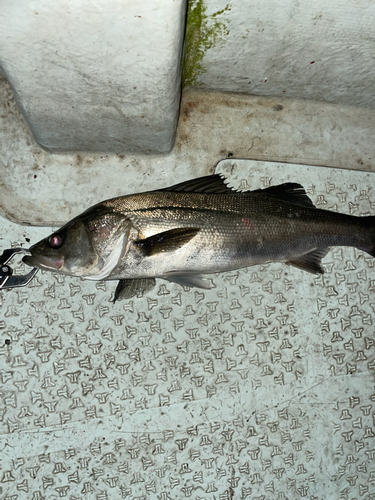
(370, 225)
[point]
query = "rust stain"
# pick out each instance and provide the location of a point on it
(187, 108)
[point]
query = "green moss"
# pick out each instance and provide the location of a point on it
(202, 33)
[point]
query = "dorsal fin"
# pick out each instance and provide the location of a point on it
(210, 184)
(289, 191)
(215, 184)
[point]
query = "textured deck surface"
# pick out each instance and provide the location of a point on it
(261, 388)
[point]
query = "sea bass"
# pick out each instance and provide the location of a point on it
(190, 230)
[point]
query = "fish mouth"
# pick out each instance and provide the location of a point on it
(50, 263)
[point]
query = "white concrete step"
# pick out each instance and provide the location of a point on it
(96, 76)
(43, 189)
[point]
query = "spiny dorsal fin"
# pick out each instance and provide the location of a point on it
(312, 261)
(167, 241)
(289, 191)
(210, 184)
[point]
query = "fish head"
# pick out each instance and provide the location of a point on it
(89, 246)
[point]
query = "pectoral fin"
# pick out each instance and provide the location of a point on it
(167, 241)
(126, 289)
(311, 262)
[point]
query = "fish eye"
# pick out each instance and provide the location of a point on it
(55, 241)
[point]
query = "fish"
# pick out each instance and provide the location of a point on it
(189, 231)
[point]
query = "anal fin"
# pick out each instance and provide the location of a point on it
(311, 261)
(126, 289)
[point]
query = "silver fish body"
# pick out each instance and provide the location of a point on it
(196, 228)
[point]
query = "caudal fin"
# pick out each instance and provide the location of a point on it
(370, 226)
